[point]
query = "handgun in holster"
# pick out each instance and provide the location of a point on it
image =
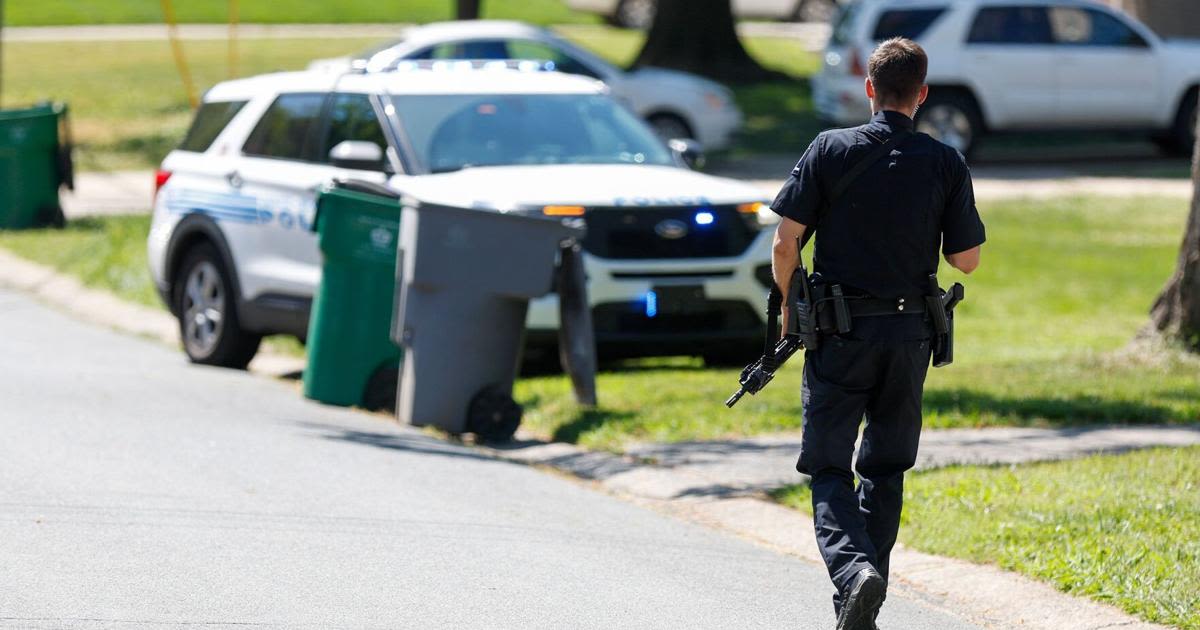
(803, 321)
(940, 306)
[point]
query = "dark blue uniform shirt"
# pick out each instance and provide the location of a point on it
(883, 236)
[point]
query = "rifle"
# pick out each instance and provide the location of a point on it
(801, 333)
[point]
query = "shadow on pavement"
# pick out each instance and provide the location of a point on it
(413, 443)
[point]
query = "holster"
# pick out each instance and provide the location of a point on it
(943, 344)
(804, 301)
(940, 306)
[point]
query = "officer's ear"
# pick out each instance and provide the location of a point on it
(924, 94)
(870, 88)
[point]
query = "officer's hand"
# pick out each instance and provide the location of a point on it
(783, 320)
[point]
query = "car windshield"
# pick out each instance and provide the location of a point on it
(452, 132)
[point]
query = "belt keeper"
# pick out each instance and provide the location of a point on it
(900, 304)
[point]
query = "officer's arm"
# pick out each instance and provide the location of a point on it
(785, 256)
(965, 261)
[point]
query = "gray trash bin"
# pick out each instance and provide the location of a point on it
(465, 280)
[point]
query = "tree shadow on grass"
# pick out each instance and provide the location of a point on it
(779, 117)
(586, 421)
(1067, 411)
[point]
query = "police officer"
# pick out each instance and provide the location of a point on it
(881, 201)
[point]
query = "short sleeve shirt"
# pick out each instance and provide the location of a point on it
(883, 235)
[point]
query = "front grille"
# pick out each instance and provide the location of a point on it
(645, 233)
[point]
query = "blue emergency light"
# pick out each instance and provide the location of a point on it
(651, 304)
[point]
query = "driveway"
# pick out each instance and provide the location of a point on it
(137, 490)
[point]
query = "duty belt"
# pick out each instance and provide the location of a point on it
(861, 306)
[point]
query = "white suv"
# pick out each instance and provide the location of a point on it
(1012, 65)
(677, 260)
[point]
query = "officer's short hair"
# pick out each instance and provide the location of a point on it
(897, 69)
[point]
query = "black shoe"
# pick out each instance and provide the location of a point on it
(863, 599)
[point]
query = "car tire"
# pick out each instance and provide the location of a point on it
(817, 11)
(206, 307)
(637, 14)
(670, 127)
(951, 118)
(1180, 139)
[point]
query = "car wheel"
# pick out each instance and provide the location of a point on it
(1181, 139)
(205, 305)
(815, 11)
(951, 119)
(670, 127)
(637, 14)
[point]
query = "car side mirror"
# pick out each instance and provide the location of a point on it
(687, 152)
(357, 154)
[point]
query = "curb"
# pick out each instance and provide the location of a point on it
(984, 595)
(101, 307)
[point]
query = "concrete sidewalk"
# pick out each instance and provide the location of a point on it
(108, 193)
(755, 466)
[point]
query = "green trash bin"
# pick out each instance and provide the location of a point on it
(35, 160)
(352, 360)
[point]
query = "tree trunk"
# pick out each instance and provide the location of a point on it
(467, 9)
(1176, 312)
(700, 36)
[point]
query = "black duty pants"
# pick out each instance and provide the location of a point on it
(877, 373)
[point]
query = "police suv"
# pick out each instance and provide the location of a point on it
(677, 261)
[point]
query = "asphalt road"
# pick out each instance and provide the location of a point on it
(139, 491)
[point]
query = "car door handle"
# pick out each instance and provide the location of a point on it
(234, 179)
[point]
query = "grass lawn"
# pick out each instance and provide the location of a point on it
(104, 253)
(128, 105)
(68, 12)
(129, 108)
(1123, 529)
(107, 253)
(1064, 286)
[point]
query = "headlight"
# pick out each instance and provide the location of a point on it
(758, 214)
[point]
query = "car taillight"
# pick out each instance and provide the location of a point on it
(856, 67)
(160, 178)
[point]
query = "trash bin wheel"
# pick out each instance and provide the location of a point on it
(380, 392)
(208, 319)
(493, 416)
